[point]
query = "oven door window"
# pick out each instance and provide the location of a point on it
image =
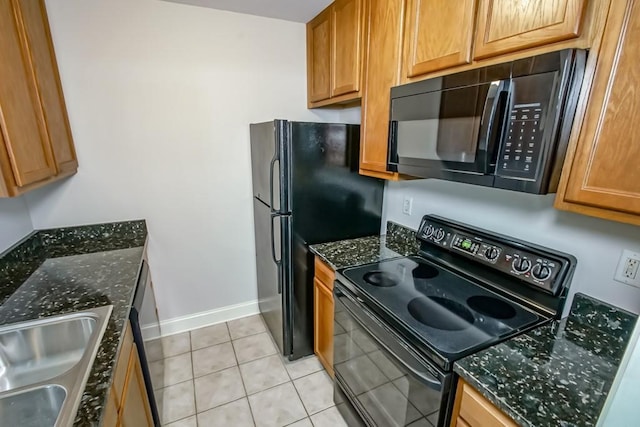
(377, 378)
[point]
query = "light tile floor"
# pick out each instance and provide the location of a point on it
(231, 374)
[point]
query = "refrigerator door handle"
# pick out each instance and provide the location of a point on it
(277, 261)
(276, 158)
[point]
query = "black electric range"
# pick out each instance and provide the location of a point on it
(402, 322)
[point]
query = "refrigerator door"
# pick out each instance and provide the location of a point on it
(269, 164)
(273, 237)
(330, 200)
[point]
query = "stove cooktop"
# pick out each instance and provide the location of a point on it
(451, 314)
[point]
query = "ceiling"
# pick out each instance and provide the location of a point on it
(289, 10)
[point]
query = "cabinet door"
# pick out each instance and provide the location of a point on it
(40, 49)
(346, 54)
(438, 34)
(605, 172)
(319, 57)
(135, 411)
(382, 71)
(28, 153)
(110, 417)
(323, 324)
(510, 25)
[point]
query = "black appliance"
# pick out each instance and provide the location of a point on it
(401, 323)
(505, 126)
(306, 190)
(145, 327)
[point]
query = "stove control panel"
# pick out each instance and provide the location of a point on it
(508, 256)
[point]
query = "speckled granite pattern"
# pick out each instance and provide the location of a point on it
(105, 273)
(399, 241)
(558, 374)
(20, 261)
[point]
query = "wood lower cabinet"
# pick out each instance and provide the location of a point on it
(323, 314)
(438, 34)
(128, 404)
(601, 175)
(510, 25)
(35, 138)
(335, 41)
(471, 409)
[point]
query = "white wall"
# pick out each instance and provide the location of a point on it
(15, 222)
(160, 97)
(597, 244)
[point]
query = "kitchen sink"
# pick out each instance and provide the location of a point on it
(38, 407)
(44, 366)
(37, 353)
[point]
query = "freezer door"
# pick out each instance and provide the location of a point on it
(269, 164)
(272, 235)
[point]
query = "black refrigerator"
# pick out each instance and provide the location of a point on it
(306, 190)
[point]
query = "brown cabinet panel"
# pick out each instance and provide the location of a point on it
(323, 324)
(510, 25)
(324, 273)
(604, 177)
(382, 71)
(40, 47)
(110, 417)
(471, 409)
(135, 411)
(122, 365)
(346, 51)
(319, 57)
(25, 136)
(438, 34)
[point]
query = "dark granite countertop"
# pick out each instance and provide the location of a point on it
(559, 374)
(399, 241)
(72, 269)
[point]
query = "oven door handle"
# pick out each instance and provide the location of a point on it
(425, 377)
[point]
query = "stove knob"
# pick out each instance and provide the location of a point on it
(428, 232)
(439, 235)
(491, 253)
(541, 272)
(521, 265)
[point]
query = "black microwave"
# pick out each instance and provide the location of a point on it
(505, 126)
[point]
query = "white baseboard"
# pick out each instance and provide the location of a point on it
(207, 318)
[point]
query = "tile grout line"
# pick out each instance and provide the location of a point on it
(193, 379)
(244, 387)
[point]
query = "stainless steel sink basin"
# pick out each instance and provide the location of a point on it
(33, 408)
(44, 366)
(40, 352)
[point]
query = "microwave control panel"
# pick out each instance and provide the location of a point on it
(522, 145)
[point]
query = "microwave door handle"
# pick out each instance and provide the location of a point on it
(491, 104)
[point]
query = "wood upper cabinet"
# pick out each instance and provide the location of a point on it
(35, 139)
(323, 314)
(511, 25)
(346, 52)
(383, 47)
(438, 34)
(334, 54)
(471, 409)
(602, 177)
(319, 57)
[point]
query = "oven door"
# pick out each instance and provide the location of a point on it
(448, 133)
(378, 375)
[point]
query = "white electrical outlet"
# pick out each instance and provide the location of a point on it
(628, 270)
(407, 204)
